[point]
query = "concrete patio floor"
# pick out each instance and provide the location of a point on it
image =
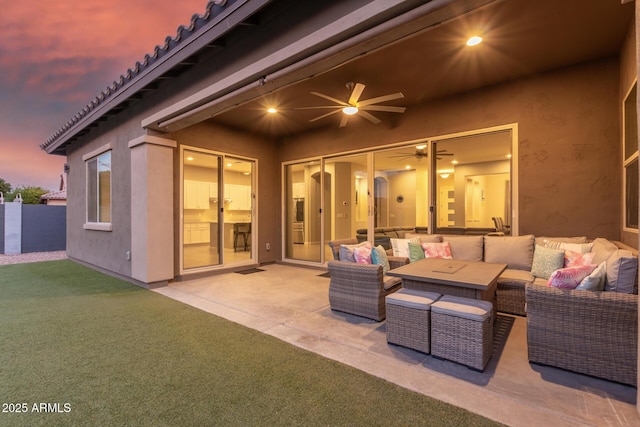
(291, 303)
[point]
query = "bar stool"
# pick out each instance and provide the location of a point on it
(241, 230)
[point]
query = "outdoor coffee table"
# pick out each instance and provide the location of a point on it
(469, 279)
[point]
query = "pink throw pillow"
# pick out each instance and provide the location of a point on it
(362, 254)
(575, 259)
(437, 250)
(570, 278)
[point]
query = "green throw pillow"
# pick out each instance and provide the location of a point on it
(546, 261)
(416, 252)
(379, 256)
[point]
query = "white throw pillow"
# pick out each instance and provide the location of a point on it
(401, 246)
(622, 268)
(594, 281)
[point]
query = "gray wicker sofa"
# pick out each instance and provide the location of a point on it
(593, 333)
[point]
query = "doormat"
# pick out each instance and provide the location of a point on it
(250, 271)
(324, 275)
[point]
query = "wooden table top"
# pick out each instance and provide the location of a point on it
(469, 274)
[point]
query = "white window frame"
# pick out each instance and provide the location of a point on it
(87, 158)
(627, 160)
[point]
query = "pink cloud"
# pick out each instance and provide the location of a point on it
(57, 56)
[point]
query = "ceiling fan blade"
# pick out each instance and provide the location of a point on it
(444, 154)
(355, 94)
(373, 119)
(387, 108)
(345, 119)
(337, 101)
(325, 115)
(337, 107)
(379, 99)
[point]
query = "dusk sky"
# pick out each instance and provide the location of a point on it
(56, 57)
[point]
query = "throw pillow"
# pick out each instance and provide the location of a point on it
(346, 251)
(570, 278)
(621, 272)
(437, 250)
(416, 252)
(582, 248)
(546, 261)
(401, 246)
(574, 259)
(362, 254)
(595, 281)
(379, 256)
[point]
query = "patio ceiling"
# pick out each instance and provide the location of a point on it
(521, 38)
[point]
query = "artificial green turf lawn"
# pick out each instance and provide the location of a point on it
(118, 354)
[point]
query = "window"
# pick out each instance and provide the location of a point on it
(630, 162)
(99, 190)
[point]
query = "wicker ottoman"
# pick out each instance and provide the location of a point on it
(462, 331)
(409, 318)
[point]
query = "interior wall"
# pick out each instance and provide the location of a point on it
(215, 138)
(568, 143)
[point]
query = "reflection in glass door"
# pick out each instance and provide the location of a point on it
(305, 188)
(200, 238)
(218, 207)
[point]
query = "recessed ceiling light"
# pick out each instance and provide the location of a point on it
(421, 147)
(350, 110)
(473, 41)
(508, 156)
(190, 158)
(454, 162)
(408, 167)
(272, 110)
(229, 165)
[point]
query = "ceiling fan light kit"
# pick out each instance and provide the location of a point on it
(355, 106)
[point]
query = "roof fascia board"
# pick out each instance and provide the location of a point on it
(222, 24)
(274, 61)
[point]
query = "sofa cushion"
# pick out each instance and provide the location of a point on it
(401, 246)
(346, 251)
(622, 269)
(468, 248)
(517, 278)
(516, 252)
(379, 257)
(389, 282)
(603, 249)
(570, 278)
(595, 281)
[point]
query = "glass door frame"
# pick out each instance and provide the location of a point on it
(430, 142)
(220, 211)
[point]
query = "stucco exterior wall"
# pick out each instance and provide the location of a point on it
(569, 145)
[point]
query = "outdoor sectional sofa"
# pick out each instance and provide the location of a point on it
(586, 331)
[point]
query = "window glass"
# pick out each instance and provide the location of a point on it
(99, 188)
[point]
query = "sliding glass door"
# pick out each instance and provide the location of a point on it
(217, 210)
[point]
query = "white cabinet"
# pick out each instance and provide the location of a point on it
(196, 195)
(298, 190)
(196, 232)
(238, 197)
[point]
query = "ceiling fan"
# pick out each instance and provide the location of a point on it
(355, 106)
(420, 154)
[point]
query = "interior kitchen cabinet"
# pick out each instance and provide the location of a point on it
(196, 195)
